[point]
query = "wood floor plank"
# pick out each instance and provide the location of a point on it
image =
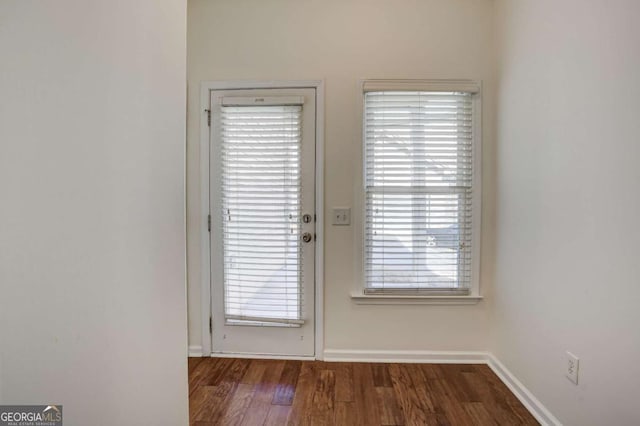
(201, 402)
(227, 391)
(390, 411)
(286, 387)
(255, 372)
(493, 402)
(444, 398)
(455, 378)
(367, 410)
(200, 373)
(381, 376)
(218, 378)
(431, 371)
(278, 415)
(345, 413)
(193, 364)
(238, 404)
(208, 402)
(420, 386)
(226, 377)
(504, 396)
(324, 395)
(479, 413)
(344, 382)
(210, 371)
(260, 405)
(233, 371)
(416, 406)
(300, 413)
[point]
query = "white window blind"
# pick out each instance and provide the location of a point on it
(418, 184)
(261, 147)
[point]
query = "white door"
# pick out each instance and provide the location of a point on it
(263, 221)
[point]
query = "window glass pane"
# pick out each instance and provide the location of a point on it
(261, 212)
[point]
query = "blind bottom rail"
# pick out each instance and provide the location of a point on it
(264, 319)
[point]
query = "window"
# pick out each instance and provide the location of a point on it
(421, 187)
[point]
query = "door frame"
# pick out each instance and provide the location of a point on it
(205, 237)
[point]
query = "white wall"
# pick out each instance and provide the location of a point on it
(568, 204)
(92, 276)
(343, 42)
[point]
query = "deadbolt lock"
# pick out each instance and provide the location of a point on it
(306, 237)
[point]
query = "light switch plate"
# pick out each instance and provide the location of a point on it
(341, 216)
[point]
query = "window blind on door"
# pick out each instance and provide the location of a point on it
(261, 187)
(418, 184)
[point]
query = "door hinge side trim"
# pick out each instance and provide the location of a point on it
(210, 325)
(208, 111)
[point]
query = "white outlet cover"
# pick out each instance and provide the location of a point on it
(571, 367)
(341, 216)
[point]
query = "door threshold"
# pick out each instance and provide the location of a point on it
(263, 356)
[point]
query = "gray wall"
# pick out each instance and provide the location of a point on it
(92, 276)
(568, 204)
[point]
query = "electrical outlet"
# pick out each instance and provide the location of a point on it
(341, 216)
(572, 366)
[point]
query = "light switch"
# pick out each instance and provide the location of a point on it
(341, 216)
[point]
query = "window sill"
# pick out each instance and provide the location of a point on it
(395, 299)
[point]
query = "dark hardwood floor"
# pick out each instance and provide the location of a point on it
(225, 391)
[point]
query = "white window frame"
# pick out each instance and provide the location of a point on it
(358, 294)
(205, 250)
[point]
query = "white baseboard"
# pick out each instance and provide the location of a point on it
(426, 357)
(195, 351)
(530, 402)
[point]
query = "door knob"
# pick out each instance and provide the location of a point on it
(306, 237)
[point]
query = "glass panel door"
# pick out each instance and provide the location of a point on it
(262, 239)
